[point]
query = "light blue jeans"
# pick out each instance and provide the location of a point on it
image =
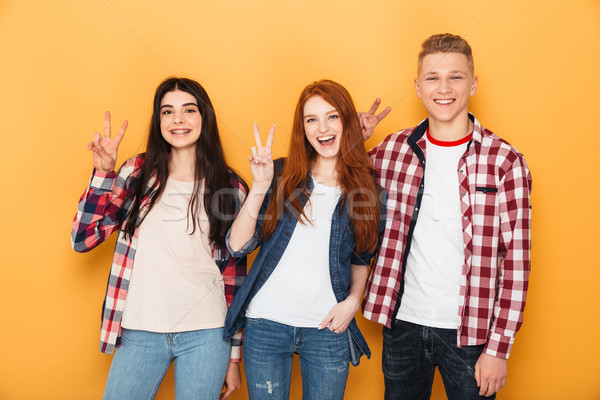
(141, 362)
(268, 350)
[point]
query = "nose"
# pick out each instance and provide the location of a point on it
(444, 86)
(323, 127)
(178, 117)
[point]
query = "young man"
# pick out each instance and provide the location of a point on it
(450, 280)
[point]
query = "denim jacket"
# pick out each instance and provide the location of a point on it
(341, 256)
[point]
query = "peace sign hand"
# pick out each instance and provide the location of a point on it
(104, 149)
(368, 121)
(261, 161)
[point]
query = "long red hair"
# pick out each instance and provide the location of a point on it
(355, 169)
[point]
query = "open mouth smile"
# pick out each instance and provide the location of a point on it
(326, 140)
(444, 101)
(180, 131)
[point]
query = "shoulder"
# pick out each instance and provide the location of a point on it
(278, 164)
(392, 141)
(506, 155)
(131, 167)
(237, 182)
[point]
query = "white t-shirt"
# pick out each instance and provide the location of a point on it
(299, 292)
(436, 257)
(175, 284)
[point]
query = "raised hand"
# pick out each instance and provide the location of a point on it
(104, 149)
(261, 161)
(368, 121)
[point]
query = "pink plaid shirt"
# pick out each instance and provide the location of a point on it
(98, 216)
(495, 185)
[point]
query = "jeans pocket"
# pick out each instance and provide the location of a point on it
(252, 319)
(336, 333)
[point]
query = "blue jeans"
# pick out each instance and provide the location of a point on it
(268, 350)
(412, 352)
(141, 362)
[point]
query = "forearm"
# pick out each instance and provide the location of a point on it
(358, 279)
(244, 226)
(90, 228)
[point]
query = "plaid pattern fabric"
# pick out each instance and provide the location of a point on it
(97, 217)
(495, 185)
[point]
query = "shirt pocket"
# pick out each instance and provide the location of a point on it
(486, 189)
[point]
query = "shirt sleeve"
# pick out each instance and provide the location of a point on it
(235, 270)
(514, 251)
(365, 257)
(99, 206)
(233, 277)
(236, 347)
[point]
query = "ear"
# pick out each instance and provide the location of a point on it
(417, 88)
(474, 86)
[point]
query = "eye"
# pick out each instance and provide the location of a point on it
(166, 112)
(456, 77)
(191, 110)
(309, 120)
(431, 78)
(334, 116)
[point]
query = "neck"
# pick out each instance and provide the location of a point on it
(324, 171)
(450, 131)
(182, 164)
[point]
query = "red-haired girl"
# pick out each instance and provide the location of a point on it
(316, 216)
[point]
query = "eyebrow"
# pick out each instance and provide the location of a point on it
(183, 105)
(454, 71)
(328, 112)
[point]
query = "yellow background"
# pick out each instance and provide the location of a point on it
(65, 62)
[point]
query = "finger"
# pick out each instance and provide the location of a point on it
(497, 386)
(254, 154)
(363, 120)
(375, 106)
(107, 124)
(257, 136)
(97, 138)
(383, 114)
(326, 321)
(90, 145)
(269, 144)
(483, 389)
(477, 375)
(121, 133)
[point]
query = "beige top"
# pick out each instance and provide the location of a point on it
(175, 284)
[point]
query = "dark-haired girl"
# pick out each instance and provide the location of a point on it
(172, 278)
(316, 216)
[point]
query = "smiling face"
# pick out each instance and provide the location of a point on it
(180, 119)
(322, 127)
(445, 83)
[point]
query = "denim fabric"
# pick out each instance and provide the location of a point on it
(141, 362)
(268, 350)
(341, 256)
(411, 353)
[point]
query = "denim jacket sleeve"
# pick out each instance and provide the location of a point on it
(365, 257)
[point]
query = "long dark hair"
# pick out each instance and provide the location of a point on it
(355, 169)
(219, 197)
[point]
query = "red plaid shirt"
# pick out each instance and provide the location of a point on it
(98, 215)
(495, 185)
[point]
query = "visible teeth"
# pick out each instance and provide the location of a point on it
(443, 101)
(179, 131)
(325, 138)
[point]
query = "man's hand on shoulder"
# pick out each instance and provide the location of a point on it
(490, 374)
